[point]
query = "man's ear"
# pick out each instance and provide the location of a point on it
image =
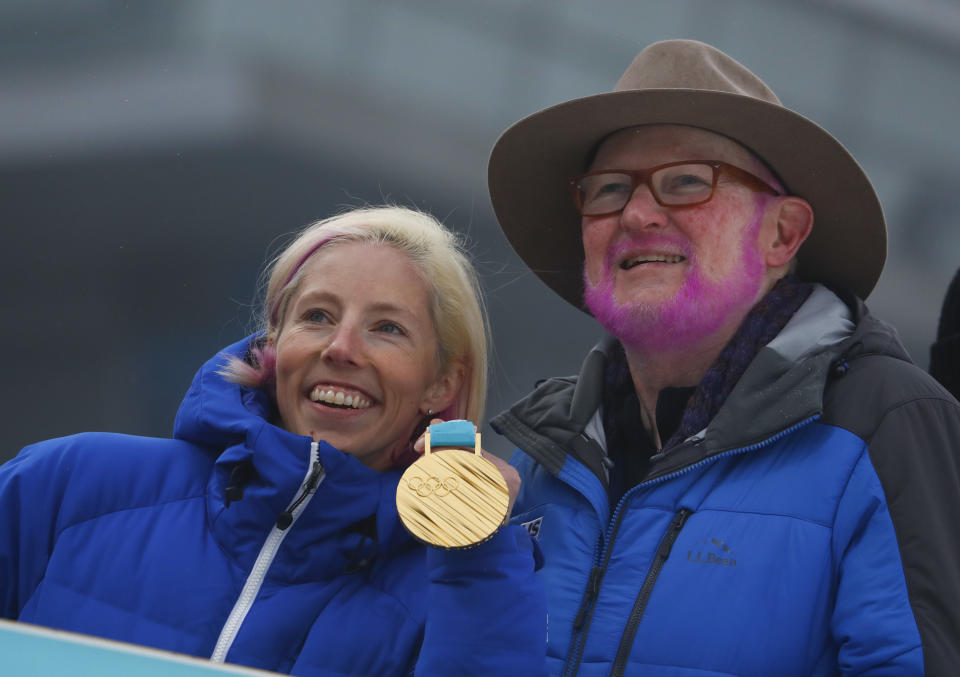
(442, 392)
(794, 221)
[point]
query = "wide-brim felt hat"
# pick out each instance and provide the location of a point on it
(684, 82)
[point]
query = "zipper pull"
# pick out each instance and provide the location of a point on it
(315, 476)
(310, 486)
(588, 597)
(666, 544)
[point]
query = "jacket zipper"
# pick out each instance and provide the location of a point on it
(585, 612)
(251, 588)
(581, 623)
(663, 552)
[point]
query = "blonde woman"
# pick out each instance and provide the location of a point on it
(265, 532)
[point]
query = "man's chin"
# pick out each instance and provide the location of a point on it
(635, 324)
(682, 321)
(622, 320)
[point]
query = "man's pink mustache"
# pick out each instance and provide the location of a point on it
(660, 244)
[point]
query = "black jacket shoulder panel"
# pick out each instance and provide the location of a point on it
(549, 423)
(911, 426)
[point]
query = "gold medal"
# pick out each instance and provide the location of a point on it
(451, 497)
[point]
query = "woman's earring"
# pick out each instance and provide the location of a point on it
(429, 412)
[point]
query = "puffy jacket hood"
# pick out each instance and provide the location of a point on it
(218, 413)
(265, 466)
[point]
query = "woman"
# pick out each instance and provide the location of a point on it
(265, 532)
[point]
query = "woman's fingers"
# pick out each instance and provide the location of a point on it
(421, 444)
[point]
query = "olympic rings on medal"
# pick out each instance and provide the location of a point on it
(432, 485)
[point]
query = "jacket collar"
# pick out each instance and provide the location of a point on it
(782, 386)
(351, 516)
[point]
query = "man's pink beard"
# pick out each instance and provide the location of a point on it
(698, 309)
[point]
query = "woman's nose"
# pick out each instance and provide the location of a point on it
(345, 347)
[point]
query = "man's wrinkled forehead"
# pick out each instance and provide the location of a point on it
(672, 142)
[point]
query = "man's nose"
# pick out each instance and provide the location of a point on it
(642, 210)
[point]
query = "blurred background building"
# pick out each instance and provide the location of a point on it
(153, 155)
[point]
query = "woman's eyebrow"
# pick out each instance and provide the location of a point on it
(316, 296)
(376, 307)
(389, 307)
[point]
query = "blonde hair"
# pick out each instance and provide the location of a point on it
(456, 302)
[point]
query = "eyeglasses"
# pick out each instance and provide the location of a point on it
(677, 184)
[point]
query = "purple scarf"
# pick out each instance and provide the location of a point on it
(759, 327)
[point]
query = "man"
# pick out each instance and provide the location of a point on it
(749, 476)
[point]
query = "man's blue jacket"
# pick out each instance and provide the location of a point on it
(810, 529)
(241, 541)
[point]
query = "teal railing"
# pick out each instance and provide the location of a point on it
(33, 651)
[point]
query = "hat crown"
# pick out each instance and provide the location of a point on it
(689, 64)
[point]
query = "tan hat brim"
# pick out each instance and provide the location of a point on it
(533, 160)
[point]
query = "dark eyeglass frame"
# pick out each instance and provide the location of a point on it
(638, 176)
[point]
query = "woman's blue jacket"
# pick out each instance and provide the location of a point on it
(244, 542)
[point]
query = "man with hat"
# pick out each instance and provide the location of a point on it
(748, 476)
